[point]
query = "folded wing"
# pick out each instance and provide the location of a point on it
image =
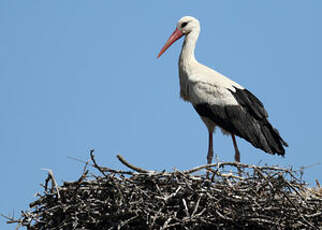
(239, 112)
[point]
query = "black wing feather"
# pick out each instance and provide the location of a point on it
(252, 104)
(247, 120)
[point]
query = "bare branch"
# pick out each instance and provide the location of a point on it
(127, 164)
(53, 181)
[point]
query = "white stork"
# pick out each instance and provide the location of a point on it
(220, 101)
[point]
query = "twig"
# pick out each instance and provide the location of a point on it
(137, 169)
(186, 210)
(196, 207)
(123, 223)
(53, 180)
(94, 162)
(166, 223)
(11, 220)
(104, 169)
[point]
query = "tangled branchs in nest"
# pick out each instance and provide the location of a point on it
(236, 196)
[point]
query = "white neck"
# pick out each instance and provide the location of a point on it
(187, 54)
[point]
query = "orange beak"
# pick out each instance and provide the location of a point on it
(174, 37)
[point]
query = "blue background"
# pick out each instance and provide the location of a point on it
(76, 75)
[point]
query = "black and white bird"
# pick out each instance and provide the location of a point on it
(220, 101)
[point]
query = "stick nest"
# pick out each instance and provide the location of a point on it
(231, 196)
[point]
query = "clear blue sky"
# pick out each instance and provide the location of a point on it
(76, 75)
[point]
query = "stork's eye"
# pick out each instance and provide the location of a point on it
(184, 24)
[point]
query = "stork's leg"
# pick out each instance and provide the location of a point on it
(237, 154)
(210, 148)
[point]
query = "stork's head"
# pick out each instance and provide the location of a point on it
(185, 25)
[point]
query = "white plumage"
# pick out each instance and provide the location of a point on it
(219, 100)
